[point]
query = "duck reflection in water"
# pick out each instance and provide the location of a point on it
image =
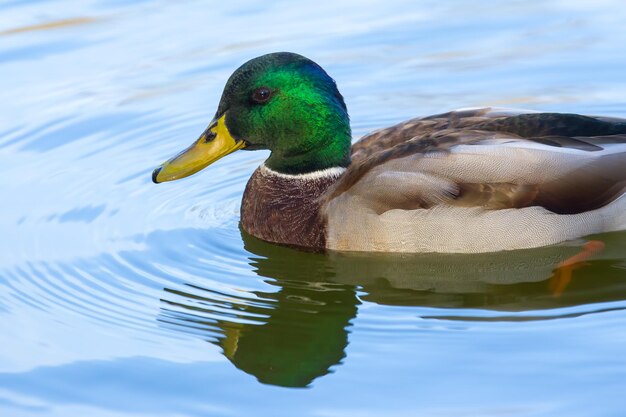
(294, 335)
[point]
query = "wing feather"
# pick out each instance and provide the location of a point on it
(491, 159)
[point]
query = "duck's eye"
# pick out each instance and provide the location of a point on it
(261, 95)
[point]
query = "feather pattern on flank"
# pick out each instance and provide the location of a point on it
(474, 182)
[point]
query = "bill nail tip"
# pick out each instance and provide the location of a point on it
(155, 173)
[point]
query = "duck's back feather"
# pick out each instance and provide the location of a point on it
(486, 161)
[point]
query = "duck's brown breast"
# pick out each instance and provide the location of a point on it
(285, 208)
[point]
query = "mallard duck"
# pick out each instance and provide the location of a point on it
(478, 180)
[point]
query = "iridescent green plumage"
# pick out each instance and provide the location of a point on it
(304, 123)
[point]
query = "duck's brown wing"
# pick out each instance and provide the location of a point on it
(565, 163)
(422, 127)
(480, 182)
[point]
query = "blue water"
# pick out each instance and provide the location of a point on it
(122, 298)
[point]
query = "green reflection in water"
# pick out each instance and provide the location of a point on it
(294, 339)
(296, 334)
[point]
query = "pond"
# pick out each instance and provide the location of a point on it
(122, 298)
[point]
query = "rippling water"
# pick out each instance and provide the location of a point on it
(121, 298)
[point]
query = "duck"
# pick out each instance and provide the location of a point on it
(466, 181)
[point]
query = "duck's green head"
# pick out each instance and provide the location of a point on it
(283, 102)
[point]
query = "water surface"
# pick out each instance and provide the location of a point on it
(122, 298)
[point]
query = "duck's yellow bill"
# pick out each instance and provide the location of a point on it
(214, 143)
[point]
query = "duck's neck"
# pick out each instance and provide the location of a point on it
(304, 179)
(326, 146)
(285, 208)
